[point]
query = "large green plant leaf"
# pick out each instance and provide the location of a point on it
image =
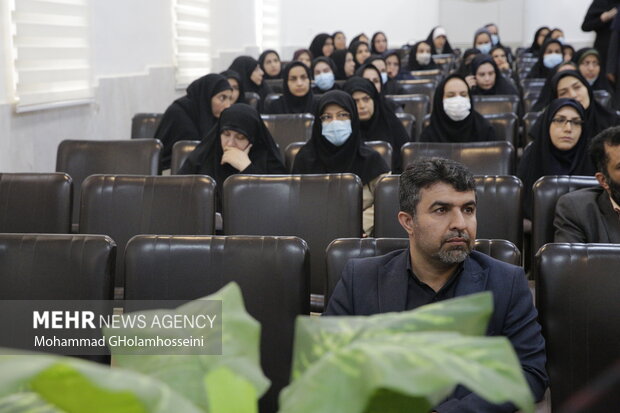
(187, 374)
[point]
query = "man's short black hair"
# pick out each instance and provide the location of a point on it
(424, 172)
(598, 155)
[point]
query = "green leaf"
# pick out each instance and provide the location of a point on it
(227, 392)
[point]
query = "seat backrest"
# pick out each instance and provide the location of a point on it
(577, 300)
(122, 206)
(482, 158)
(35, 202)
(277, 85)
(408, 121)
(506, 126)
(419, 87)
(528, 121)
(144, 125)
(269, 99)
(252, 99)
(416, 105)
(342, 250)
(383, 148)
(56, 267)
(290, 153)
(495, 193)
(316, 208)
(289, 128)
(603, 97)
(496, 104)
(272, 273)
(546, 192)
(180, 153)
(80, 159)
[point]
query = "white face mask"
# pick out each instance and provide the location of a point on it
(457, 107)
(337, 132)
(423, 58)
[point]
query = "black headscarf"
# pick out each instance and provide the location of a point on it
(373, 50)
(316, 47)
(474, 128)
(597, 116)
(328, 61)
(264, 154)
(353, 49)
(479, 32)
(261, 62)
(413, 61)
(447, 49)
(535, 48)
(357, 39)
(190, 117)
(542, 158)
(501, 87)
(289, 103)
(369, 66)
(319, 156)
(601, 82)
(383, 125)
(465, 68)
(231, 74)
(334, 37)
(299, 52)
(339, 58)
(245, 65)
(545, 94)
(539, 70)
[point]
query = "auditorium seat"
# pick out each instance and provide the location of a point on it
(495, 193)
(81, 158)
(488, 104)
(289, 128)
(342, 250)
(122, 206)
(144, 125)
(408, 121)
(269, 99)
(316, 208)
(290, 153)
(603, 97)
(416, 105)
(529, 99)
(180, 153)
(528, 121)
(253, 99)
(577, 300)
(382, 147)
(277, 85)
(482, 158)
(272, 272)
(35, 202)
(506, 125)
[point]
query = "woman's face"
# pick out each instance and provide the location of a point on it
(439, 42)
(392, 65)
(499, 57)
(423, 48)
(365, 105)
(455, 87)
(272, 64)
(362, 53)
(298, 81)
(321, 67)
(485, 76)
(363, 38)
(334, 112)
(380, 43)
(349, 65)
(565, 135)
(221, 101)
(257, 76)
(568, 54)
(305, 59)
(374, 77)
(571, 87)
(556, 34)
(482, 38)
(553, 48)
(380, 64)
(340, 41)
(328, 47)
(233, 139)
(235, 89)
(540, 39)
(590, 67)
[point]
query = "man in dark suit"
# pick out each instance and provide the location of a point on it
(438, 211)
(592, 215)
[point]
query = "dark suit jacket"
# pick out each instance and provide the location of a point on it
(379, 285)
(586, 215)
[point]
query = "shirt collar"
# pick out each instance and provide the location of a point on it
(453, 277)
(614, 205)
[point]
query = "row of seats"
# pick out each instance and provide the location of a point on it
(576, 297)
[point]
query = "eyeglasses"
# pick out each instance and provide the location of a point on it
(563, 121)
(338, 116)
(364, 99)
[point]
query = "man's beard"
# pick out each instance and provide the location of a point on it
(614, 189)
(457, 254)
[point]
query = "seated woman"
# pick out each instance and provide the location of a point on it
(322, 45)
(395, 69)
(378, 43)
(345, 65)
(561, 149)
(588, 62)
(483, 41)
(238, 94)
(438, 40)
(323, 71)
(377, 119)
(240, 143)
(336, 146)
(544, 96)
(388, 86)
(420, 57)
(304, 56)
(453, 118)
(488, 78)
(539, 39)
(360, 52)
(498, 53)
(193, 115)
(251, 76)
(297, 96)
(370, 72)
(340, 41)
(464, 68)
(270, 64)
(550, 56)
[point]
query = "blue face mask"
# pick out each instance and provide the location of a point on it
(384, 78)
(495, 39)
(337, 131)
(485, 48)
(552, 60)
(561, 40)
(325, 81)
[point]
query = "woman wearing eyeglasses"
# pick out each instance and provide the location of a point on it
(561, 149)
(336, 146)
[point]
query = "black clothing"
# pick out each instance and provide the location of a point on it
(261, 62)
(245, 65)
(288, 103)
(592, 22)
(353, 49)
(316, 47)
(373, 50)
(535, 48)
(231, 74)
(539, 70)
(447, 49)
(501, 87)
(420, 293)
(339, 58)
(413, 61)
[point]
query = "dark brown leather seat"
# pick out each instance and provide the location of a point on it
(383, 148)
(488, 104)
(577, 300)
(253, 99)
(35, 202)
(144, 125)
(408, 121)
(316, 208)
(506, 126)
(180, 152)
(495, 193)
(272, 272)
(342, 250)
(80, 159)
(417, 105)
(528, 121)
(482, 158)
(289, 128)
(122, 206)
(603, 97)
(277, 85)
